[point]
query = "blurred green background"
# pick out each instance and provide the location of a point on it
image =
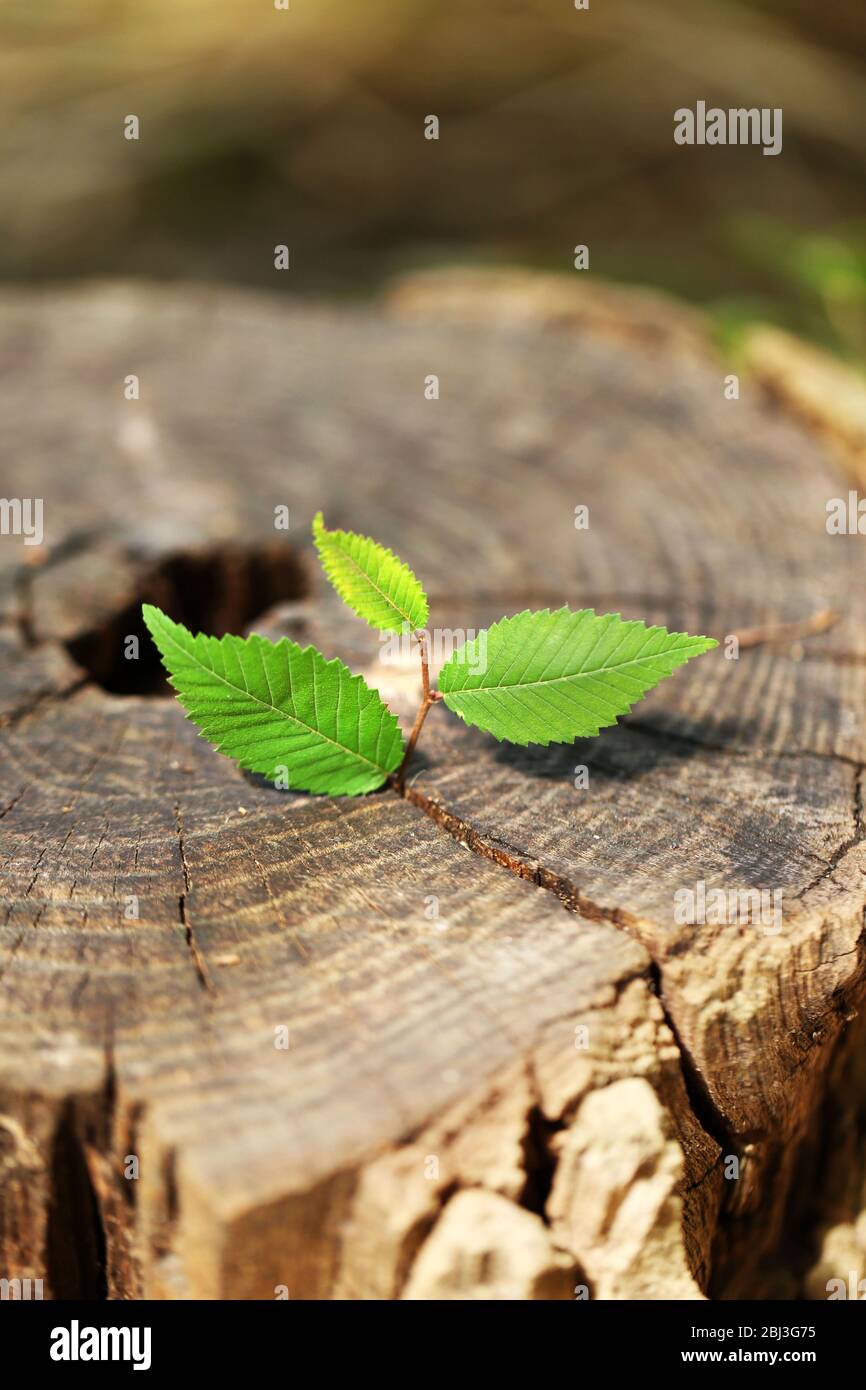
(306, 127)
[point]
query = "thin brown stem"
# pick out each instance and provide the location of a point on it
(425, 668)
(398, 778)
(400, 775)
(788, 632)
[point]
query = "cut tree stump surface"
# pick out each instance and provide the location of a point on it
(510, 1071)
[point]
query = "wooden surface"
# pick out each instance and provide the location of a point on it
(438, 1126)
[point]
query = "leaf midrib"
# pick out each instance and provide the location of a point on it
(373, 585)
(275, 708)
(552, 680)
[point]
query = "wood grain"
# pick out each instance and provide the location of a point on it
(439, 1125)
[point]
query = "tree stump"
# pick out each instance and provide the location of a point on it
(256, 1044)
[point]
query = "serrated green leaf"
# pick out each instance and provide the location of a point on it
(553, 677)
(276, 705)
(371, 580)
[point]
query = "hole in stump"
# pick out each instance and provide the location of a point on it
(214, 591)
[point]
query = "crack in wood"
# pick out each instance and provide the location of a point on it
(198, 960)
(708, 1114)
(855, 838)
(46, 696)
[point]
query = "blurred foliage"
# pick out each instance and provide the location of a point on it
(306, 127)
(820, 285)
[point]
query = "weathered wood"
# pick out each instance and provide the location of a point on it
(439, 1126)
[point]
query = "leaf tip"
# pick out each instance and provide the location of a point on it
(151, 614)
